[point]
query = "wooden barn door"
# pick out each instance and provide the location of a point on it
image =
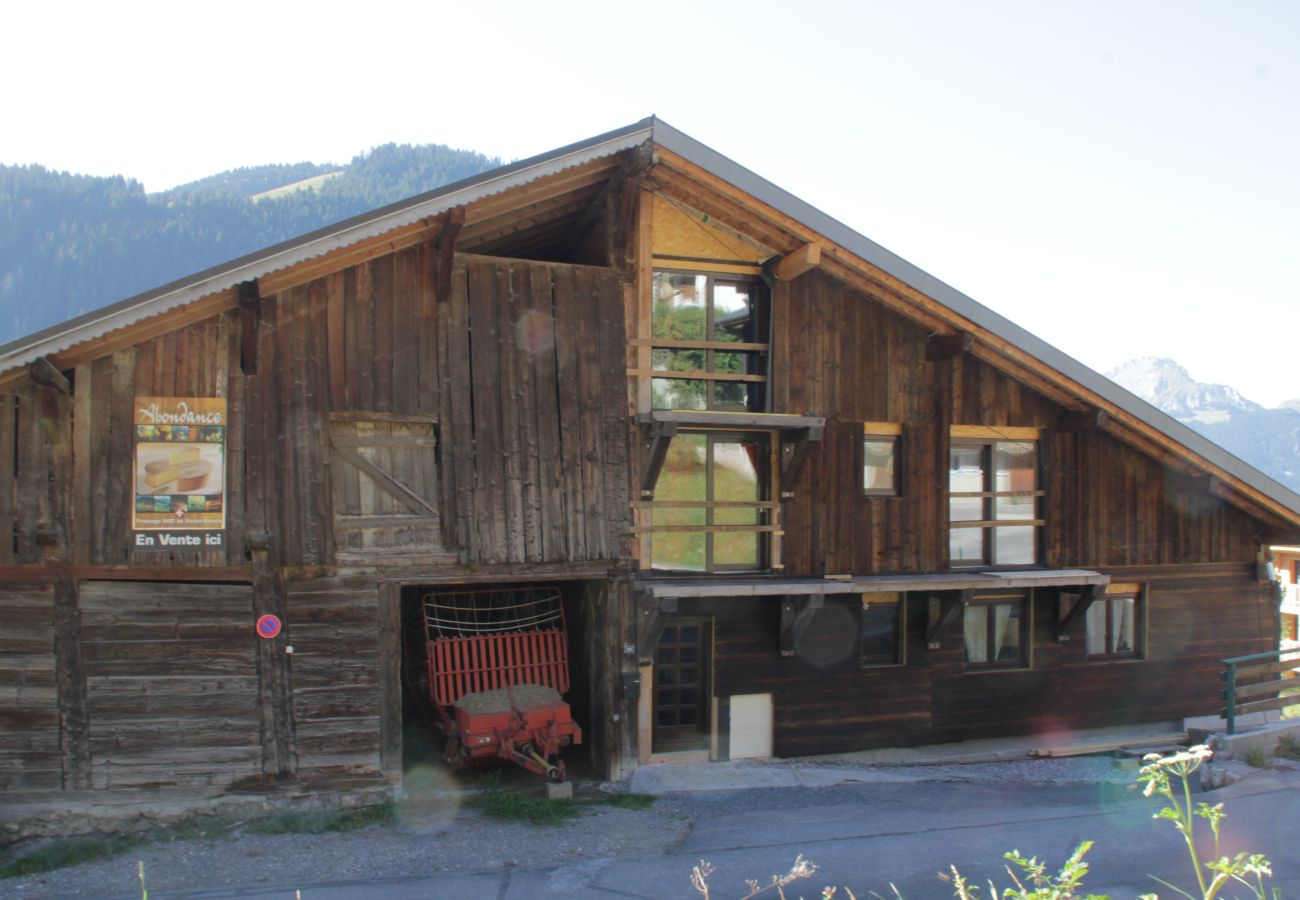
(385, 476)
(171, 683)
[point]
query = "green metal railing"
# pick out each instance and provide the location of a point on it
(1242, 677)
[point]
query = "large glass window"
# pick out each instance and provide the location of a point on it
(992, 503)
(997, 631)
(709, 337)
(710, 510)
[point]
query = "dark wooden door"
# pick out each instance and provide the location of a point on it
(681, 697)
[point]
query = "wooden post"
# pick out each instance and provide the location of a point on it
(390, 681)
(275, 693)
(74, 720)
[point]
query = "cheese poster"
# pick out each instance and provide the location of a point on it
(179, 482)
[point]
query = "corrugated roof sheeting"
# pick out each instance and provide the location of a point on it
(564, 183)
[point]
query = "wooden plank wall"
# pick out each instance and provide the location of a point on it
(825, 702)
(30, 756)
(333, 627)
(171, 684)
(851, 360)
(533, 417)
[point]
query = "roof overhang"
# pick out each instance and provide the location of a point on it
(665, 588)
(929, 300)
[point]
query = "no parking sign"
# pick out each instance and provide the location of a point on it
(268, 627)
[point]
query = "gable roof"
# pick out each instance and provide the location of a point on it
(554, 187)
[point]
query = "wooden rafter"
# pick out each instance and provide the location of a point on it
(636, 161)
(42, 372)
(797, 262)
(452, 223)
(1091, 419)
(250, 316)
(948, 346)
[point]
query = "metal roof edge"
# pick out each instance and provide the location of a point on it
(783, 201)
(223, 276)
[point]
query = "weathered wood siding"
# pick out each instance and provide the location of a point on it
(334, 631)
(826, 702)
(533, 412)
(30, 756)
(171, 683)
(841, 355)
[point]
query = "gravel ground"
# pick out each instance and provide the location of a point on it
(436, 831)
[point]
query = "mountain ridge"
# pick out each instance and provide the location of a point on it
(70, 243)
(1268, 439)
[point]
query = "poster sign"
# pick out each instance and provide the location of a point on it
(180, 473)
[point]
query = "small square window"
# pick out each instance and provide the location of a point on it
(881, 459)
(1113, 626)
(884, 623)
(997, 632)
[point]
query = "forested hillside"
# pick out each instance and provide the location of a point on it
(73, 243)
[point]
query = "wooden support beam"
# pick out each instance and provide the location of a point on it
(70, 672)
(797, 612)
(1080, 608)
(948, 346)
(250, 316)
(655, 437)
(621, 185)
(42, 372)
(797, 262)
(446, 246)
(1196, 484)
(651, 616)
(795, 447)
(275, 694)
(940, 625)
(1082, 420)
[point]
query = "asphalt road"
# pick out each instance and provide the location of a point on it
(867, 837)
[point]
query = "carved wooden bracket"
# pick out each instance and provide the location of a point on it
(797, 613)
(942, 623)
(947, 346)
(797, 262)
(446, 245)
(1077, 612)
(795, 447)
(655, 437)
(651, 616)
(1083, 420)
(42, 372)
(250, 315)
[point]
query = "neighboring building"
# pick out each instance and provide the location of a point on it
(1286, 566)
(798, 496)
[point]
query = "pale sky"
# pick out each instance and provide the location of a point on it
(1121, 178)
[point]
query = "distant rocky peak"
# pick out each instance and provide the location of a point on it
(1166, 385)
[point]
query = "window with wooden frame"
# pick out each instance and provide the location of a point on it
(708, 341)
(882, 453)
(993, 497)
(712, 510)
(1113, 623)
(884, 626)
(997, 631)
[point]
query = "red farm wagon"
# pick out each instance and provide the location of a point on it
(497, 668)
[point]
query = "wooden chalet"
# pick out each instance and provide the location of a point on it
(797, 495)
